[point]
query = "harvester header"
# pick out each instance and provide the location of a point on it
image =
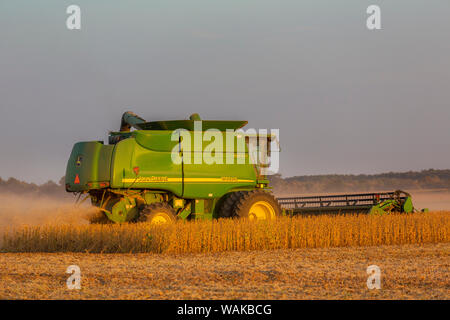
(377, 203)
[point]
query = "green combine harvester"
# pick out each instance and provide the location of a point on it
(134, 179)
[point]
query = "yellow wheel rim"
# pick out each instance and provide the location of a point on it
(161, 218)
(261, 210)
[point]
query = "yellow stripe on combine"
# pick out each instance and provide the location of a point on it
(179, 180)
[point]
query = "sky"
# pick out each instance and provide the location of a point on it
(346, 99)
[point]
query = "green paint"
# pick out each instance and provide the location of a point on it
(136, 169)
(408, 205)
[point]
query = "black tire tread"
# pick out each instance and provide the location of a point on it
(226, 210)
(148, 210)
(248, 197)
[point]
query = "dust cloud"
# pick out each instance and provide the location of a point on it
(30, 210)
(434, 200)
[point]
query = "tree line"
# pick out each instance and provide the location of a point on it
(412, 180)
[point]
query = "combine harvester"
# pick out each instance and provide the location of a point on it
(134, 178)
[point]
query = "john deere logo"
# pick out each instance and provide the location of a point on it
(78, 162)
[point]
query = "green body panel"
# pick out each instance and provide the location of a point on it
(151, 152)
(91, 163)
(156, 169)
(408, 205)
(212, 178)
(122, 210)
(155, 140)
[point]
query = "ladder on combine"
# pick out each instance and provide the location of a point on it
(373, 203)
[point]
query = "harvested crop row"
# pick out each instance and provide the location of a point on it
(233, 235)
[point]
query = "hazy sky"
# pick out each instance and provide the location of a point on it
(346, 99)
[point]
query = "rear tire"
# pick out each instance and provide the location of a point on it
(228, 204)
(157, 213)
(257, 205)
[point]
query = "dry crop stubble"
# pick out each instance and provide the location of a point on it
(233, 235)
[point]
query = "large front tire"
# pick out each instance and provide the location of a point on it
(157, 213)
(228, 204)
(257, 205)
